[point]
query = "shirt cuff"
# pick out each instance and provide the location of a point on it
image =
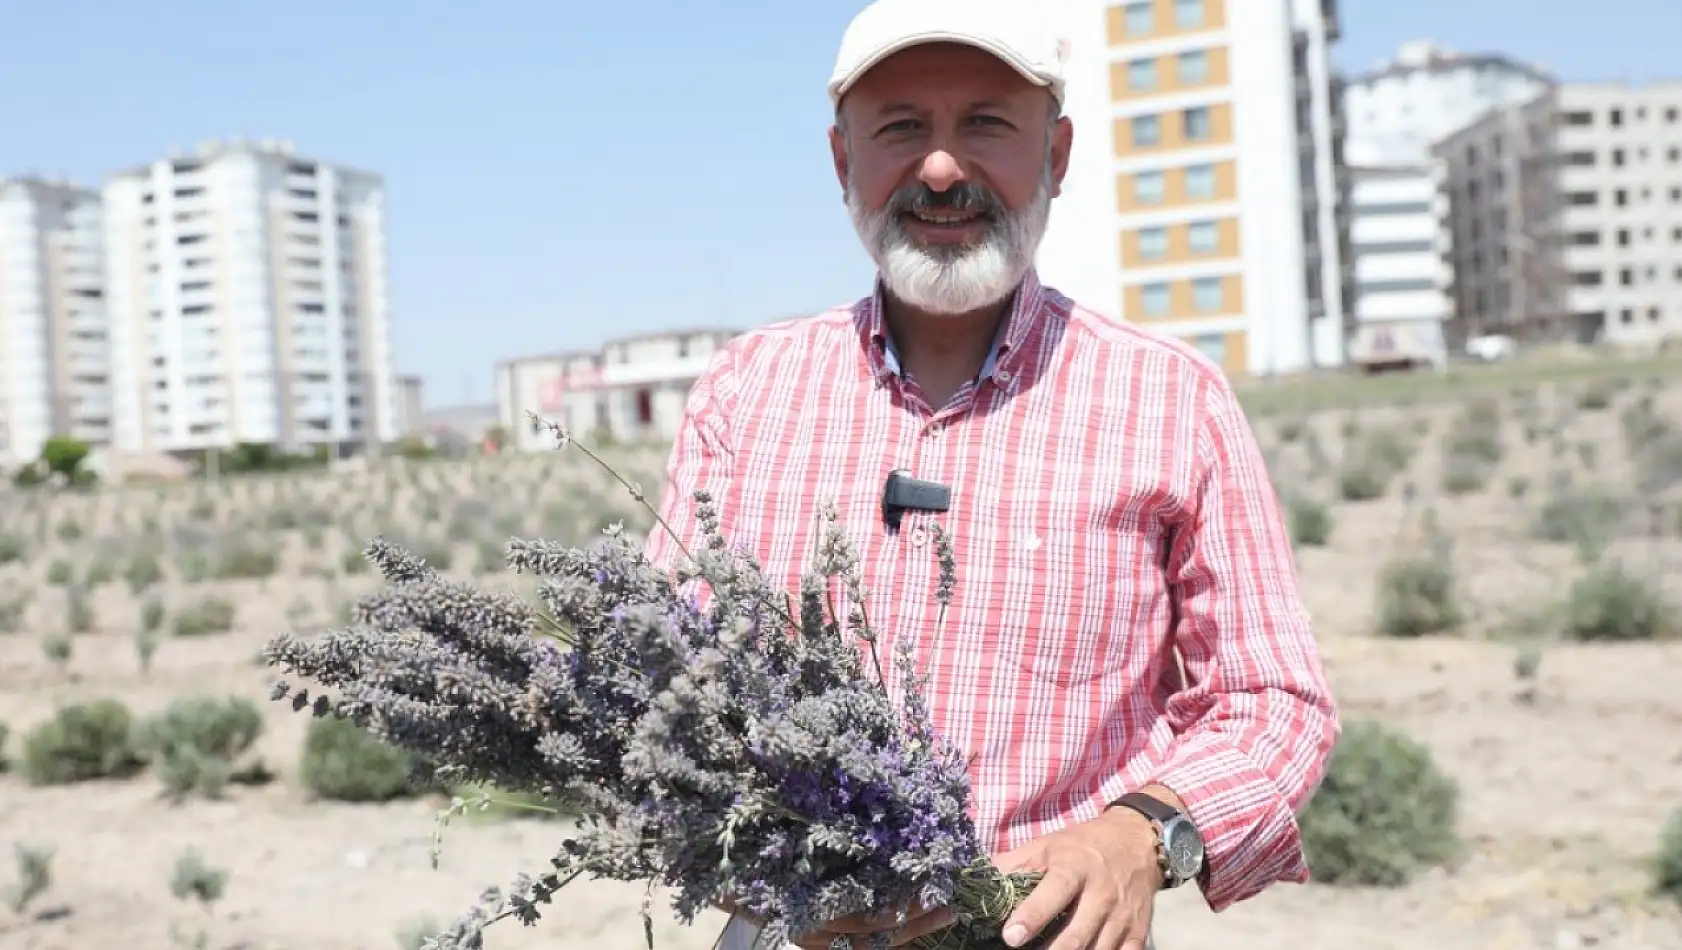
(1250, 833)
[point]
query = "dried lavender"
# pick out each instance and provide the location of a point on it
(752, 748)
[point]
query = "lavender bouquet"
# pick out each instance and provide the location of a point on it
(752, 751)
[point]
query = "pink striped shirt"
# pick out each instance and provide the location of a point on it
(1109, 507)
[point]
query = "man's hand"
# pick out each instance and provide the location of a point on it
(1106, 868)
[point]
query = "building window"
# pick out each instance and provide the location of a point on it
(1141, 75)
(645, 407)
(1203, 237)
(1193, 67)
(1196, 120)
(1147, 131)
(1188, 14)
(1200, 181)
(1139, 18)
(1153, 243)
(1154, 299)
(1148, 188)
(1207, 294)
(1212, 345)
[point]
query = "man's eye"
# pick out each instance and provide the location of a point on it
(903, 125)
(988, 120)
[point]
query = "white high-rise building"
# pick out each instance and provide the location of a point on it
(1620, 156)
(247, 295)
(1201, 196)
(54, 377)
(1397, 112)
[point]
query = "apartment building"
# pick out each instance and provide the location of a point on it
(1403, 298)
(411, 406)
(53, 357)
(1500, 180)
(633, 389)
(247, 299)
(1619, 151)
(1202, 195)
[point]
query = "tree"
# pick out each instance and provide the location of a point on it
(64, 456)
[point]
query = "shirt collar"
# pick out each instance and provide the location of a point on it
(1022, 319)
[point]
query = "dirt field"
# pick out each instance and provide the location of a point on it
(1566, 773)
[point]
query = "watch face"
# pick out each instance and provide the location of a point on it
(1185, 849)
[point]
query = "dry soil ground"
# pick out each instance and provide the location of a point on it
(1565, 776)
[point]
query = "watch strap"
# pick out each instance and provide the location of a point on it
(1151, 807)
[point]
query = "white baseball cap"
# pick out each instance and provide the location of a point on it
(1016, 31)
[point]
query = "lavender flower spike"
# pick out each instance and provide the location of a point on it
(752, 751)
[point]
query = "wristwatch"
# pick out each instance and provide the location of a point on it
(1179, 844)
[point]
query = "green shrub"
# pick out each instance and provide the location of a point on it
(1585, 519)
(82, 742)
(1417, 598)
(1309, 522)
(344, 762)
(1610, 603)
(1464, 475)
(60, 573)
(208, 616)
(247, 562)
(1667, 864)
(142, 572)
(1384, 812)
(194, 744)
(1594, 399)
(1362, 482)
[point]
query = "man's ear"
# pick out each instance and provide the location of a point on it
(1062, 143)
(838, 153)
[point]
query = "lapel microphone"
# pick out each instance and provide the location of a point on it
(903, 493)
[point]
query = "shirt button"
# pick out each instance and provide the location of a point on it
(919, 537)
(1004, 377)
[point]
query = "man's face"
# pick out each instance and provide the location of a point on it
(949, 160)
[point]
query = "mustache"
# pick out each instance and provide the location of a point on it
(961, 197)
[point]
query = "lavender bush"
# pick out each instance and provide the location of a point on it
(754, 749)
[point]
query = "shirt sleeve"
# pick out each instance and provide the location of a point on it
(1254, 722)
(701, 459)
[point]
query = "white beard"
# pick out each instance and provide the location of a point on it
(954, 280)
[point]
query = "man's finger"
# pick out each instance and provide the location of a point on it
(1091, 914)
(1116, 935)
(1048, 899)
(1028, 857)
(1139, 923)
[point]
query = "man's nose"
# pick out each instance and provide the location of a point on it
(940, 170)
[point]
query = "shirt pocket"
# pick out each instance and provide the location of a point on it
(1095, 605)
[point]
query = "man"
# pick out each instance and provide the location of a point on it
(1109, 511)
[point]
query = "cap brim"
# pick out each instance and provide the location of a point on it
(840, 85)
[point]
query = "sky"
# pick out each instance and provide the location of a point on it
(559, 172)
